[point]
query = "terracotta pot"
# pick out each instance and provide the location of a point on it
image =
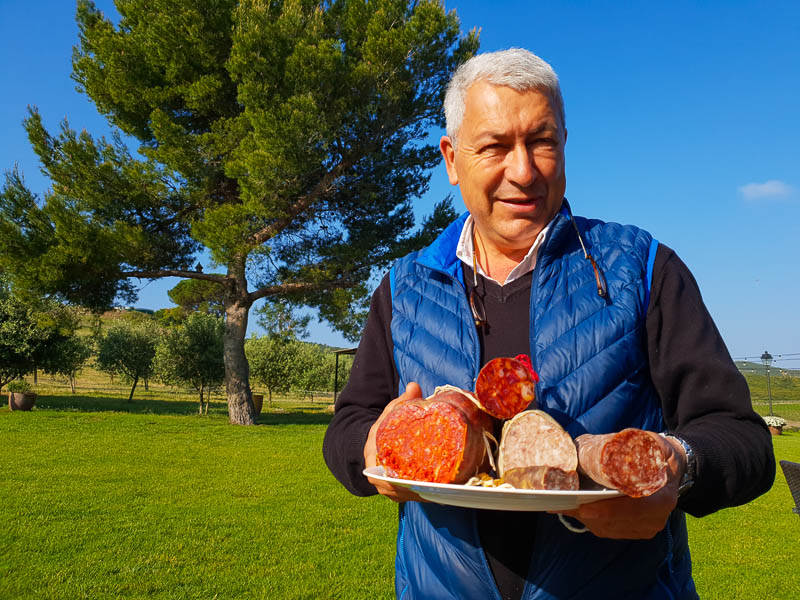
(258, 403)
(776, 430)
(21, 400)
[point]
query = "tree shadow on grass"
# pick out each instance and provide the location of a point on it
(295, 417)
(152, 406)
(313, 415)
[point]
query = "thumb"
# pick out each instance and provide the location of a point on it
(412, 391)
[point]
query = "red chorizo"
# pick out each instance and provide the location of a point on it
(505, 387)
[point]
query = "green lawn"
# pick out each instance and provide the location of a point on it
(156, 505)
(102, 499)
(785, 392)
(751, 551)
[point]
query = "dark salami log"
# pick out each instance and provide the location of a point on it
(505, 387)
(438, 439)
(535, 439)
(541, 478)
(631, 461)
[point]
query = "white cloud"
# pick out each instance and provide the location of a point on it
(767, 190)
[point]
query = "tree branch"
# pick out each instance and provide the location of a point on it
(286, 288)
(173, 273)
(300, 205)
(324, 184)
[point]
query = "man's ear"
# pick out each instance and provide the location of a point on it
(448, 151)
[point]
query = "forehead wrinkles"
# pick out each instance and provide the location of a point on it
(496, 111)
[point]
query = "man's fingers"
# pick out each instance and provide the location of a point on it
(626, 518)
(395, 493)
(412, 391)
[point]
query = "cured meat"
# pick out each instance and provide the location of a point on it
(535, 439)
(541, 478)
(631, 461)
(438, 439)
(505, 387)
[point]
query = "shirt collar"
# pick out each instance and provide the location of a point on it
(465, 251)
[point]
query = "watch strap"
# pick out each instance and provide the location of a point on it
(690, 473)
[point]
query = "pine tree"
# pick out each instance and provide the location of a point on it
(284, 138)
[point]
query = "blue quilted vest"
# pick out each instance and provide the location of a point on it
(591, 356)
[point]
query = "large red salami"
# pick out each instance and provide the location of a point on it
(631, 461)
(438, 439)
(505, 387)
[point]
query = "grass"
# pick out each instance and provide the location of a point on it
(106, 499)
(785, 391)
(788, 410)
(110, 504)
(751, 551)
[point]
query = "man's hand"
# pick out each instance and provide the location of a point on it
(636, 518)
(393, 492)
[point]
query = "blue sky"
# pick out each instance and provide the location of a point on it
(683, 118)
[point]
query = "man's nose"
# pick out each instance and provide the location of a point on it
(520, 168)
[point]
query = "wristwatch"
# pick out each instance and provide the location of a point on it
(691, 466)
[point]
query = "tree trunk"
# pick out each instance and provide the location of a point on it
(200, 410)
(72, 383)
(237, 370)
(133, 387)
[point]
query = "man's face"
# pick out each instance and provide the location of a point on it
(509, 164)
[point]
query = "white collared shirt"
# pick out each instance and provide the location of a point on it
(465, 251)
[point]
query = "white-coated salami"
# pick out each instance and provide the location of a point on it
(541, 478)
(535, 439)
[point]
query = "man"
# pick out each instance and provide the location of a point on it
(615, 327)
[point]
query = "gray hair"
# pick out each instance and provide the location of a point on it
(516, 68)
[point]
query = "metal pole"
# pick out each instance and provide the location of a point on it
(336, 379)
(766, 358)
(769, 392)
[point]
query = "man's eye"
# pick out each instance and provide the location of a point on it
(492, 149)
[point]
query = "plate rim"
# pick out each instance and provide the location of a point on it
(378, 472)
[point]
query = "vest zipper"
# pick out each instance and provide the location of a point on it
(668, 561)
(401, 530)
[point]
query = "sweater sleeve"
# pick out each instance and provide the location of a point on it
(705, 398)
(372, 384)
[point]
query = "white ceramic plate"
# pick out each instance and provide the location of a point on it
(496, 498)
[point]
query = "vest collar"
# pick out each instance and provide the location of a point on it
(441, 254)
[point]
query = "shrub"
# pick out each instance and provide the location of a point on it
(20, 386)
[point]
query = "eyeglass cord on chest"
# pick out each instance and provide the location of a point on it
(476, 304)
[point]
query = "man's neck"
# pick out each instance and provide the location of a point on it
(496, 263)
(499, 266)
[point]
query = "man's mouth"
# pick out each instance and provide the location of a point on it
(520, 200)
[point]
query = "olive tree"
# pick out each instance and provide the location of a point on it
(30, 333)
(128, 349)
(68, 356)
(191, 353)
(273, 362)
